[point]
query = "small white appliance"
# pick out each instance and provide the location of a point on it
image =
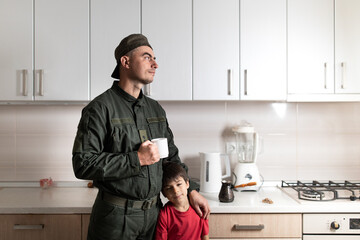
(247, 149)
(211, 171)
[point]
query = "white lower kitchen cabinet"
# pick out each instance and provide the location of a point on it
(40, 227)
(259, 226)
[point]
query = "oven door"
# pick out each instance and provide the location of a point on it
(331, 237)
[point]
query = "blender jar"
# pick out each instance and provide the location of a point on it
(246, 143)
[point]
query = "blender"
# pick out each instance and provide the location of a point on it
(247, 149)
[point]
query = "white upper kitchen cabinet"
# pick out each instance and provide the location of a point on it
(323, 50)
(215, 50)
(263, 50)
(44, 50)
(310, 46)
(168, 27)
(110, 22)
(61, 69)
(16, 50)
(347, 46)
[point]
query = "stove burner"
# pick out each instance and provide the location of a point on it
(312, 194)
(324, 191)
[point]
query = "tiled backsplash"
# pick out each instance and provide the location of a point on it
(301, 140)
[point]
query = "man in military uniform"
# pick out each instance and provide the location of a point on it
(112, 148)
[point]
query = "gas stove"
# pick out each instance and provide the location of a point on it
(333, 224)
(322, 191)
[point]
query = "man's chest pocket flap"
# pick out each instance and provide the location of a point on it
(157, 126)
(125, 134)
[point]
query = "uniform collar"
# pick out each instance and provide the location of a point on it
(139, 101)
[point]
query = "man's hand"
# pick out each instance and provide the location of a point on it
(148, 153)
(200, 204)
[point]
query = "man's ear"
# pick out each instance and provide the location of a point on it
(187, 184)
(125, 61)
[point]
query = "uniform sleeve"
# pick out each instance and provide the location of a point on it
(161, 227)
(90, 159)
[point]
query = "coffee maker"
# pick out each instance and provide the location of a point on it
(247, 150)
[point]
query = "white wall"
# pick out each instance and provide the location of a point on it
(301, 140)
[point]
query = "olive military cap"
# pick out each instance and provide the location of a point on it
(126, 45)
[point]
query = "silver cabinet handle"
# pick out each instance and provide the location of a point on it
(245, 82)
(24, 82)
(230, 81)
(343, 68)
(147, 90)
(41, 82)
(28, 227)
(325, 75)
(238, 227)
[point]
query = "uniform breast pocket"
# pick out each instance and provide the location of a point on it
(157, 126)
(125, 137)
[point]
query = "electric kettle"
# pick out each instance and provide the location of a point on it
(211, 171)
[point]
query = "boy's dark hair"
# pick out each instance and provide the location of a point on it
(171, 171)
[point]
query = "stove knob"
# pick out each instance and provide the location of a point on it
(334, 225)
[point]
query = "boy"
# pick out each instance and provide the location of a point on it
(177, 219)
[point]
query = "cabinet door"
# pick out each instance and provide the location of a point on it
(263, 49)
(61, 50)
(16, 50)
(255, 226)
(85, 221)
(111, 21)
(310, 46)
(216, 50)
(40, 227)
(168, 26)
(347, 46)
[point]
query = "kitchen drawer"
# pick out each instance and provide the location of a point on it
(40, 227)
(255, 226)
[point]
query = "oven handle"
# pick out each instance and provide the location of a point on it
(238, 227)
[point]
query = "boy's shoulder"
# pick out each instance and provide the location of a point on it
(169, 205)
(170, 208)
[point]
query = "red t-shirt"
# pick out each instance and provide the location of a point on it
(175, 225)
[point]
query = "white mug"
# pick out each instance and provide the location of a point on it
(162, 145)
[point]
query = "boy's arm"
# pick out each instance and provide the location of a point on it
(206, 237)
(205, 229)
(161, 227)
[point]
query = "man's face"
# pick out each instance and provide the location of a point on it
(176, 190)
(142, 65)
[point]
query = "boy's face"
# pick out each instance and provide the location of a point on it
(176, 190)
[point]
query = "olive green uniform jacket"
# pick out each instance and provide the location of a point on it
(110, 132)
